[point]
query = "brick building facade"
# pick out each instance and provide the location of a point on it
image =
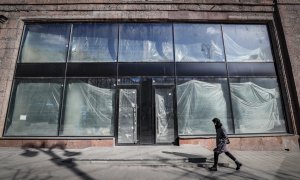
(281, 18)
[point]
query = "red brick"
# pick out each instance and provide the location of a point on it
(272, 143)
(251, 144)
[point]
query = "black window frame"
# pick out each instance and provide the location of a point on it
(175, 69)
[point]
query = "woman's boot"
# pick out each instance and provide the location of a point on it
(216, 158)
(238, 164)
(213, 168)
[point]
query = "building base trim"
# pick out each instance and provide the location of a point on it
(55, 143)
(270, 143)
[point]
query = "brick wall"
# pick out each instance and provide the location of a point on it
(289, 11)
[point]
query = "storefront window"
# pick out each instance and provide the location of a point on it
(198, 43)
(89, 109)
(198, 102)
(247, 43)
(146, 42)
(45, 43)
(94, 42)
(34, 109)
(256, 105)
(135, 66)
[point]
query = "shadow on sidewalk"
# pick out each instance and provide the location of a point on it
(190, 157)
(288, 168)
(33, 150)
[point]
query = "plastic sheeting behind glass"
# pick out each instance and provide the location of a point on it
(45, 43)
(256, 105)
(127, 132)
(198, 102)
(249, 43)
(94, 42)
(89, 108)
(164, 115)
(198, 42)
(146, 42)
(34, 109)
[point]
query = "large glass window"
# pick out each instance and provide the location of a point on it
(256, 105)
(198, 42)
(146, 42)
(34, 109)
(198, 102)
(94, 42)
(45, 43)
(247, 43)
(89, 109)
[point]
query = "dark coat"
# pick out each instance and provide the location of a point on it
(221, 140)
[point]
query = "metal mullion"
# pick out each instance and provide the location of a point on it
(176, 135)
(21, 44)
(116, 126)
(62, 104)
(228, 81)
(153, 111)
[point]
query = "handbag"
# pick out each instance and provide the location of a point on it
(227, 141)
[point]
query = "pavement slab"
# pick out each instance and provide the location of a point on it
(144, 162)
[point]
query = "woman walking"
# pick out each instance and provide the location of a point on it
(222, 141)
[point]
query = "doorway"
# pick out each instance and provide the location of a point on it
(146, 113)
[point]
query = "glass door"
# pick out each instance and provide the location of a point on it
(164, 115)
(128, 113)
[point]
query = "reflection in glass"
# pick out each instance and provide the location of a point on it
(34, 108)
(198, 102)
(130, 80)
(247, 43)
(256, 105)
(94, 42)
(198, 42)
(45, 43)
(89, 108)
(127, 132)
(164, 115)
(163, 81)
(146, 42)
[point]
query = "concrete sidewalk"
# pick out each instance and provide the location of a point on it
(143, 162)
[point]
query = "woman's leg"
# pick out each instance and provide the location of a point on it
(215, 166)
(230, 156)
(238, 164)
(216, 158)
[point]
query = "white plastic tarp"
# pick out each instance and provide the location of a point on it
(89, 110)
(35, 110)
(198, 103)
(256, 109)
(127, 132)
(164, 116)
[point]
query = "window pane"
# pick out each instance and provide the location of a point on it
(146, 42)
(89, 108)
(248, 43)
(45, 43)
(198, 42)
(94, 42)
(163, 80)
(198, 102)
(34, 108)
(164, 115)
(127, 123)
(256, 105)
